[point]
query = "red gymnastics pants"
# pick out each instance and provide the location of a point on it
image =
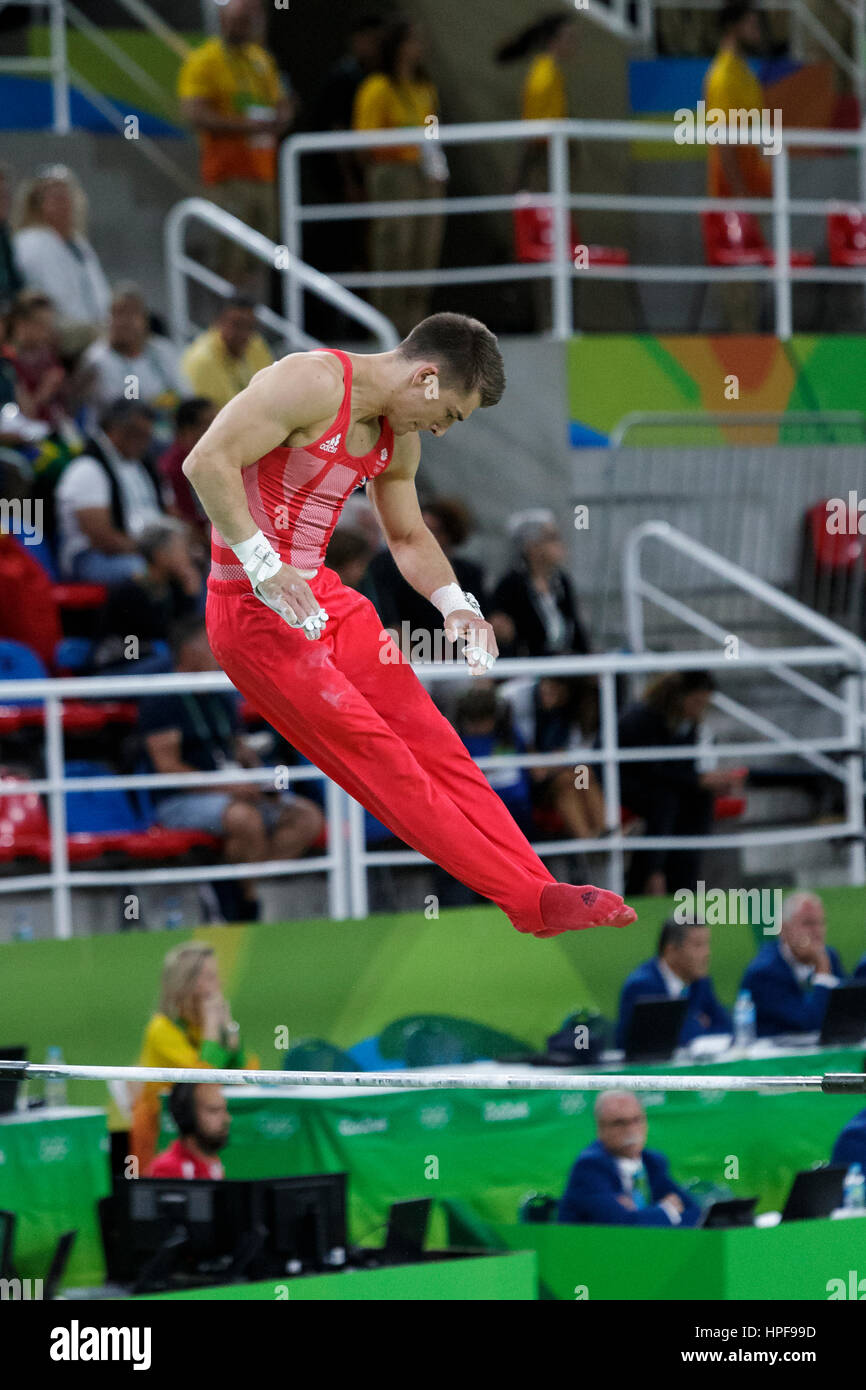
(353, 705)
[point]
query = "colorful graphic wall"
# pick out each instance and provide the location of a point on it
(610, 376)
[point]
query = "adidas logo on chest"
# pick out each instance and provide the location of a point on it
(331, 445)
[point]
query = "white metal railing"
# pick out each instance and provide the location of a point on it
(561, 270)
(347, 860)
(850, 653)
(180, 268)
(692, 419)
(63, 15)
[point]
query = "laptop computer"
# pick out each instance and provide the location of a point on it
(845, 1019)
(815, 1192)
(9, 1084)
(654, 1029)
(728, 1212)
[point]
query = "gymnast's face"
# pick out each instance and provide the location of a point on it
(622, 1126)
(425, 403)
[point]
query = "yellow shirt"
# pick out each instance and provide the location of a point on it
(544, 91)
(236, 80)
(730, 85)
(382, 104)
(167, 1044)
(213, 373)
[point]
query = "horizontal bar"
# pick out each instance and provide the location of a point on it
(833, 1083)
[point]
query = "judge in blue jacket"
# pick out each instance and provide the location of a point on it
(790, 979)
(617, 1180)
(860, 972)
(680, 968)
(850, 1147)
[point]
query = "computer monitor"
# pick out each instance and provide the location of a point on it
(9, 1085)
(407, 1229)
(304, 1219)
(815, 1192)
(729, 1212)
(845, 1019)
(654, 1029)
(162, 1230)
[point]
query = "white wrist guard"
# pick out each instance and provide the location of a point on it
(451, 597)
(258, 558)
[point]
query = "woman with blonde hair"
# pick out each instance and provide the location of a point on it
(192, 1027)
(54, 255)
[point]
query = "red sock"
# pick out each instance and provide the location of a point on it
(567, 907)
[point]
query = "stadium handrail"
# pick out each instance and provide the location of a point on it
(180, 267)
(561, 270)
(346, 865)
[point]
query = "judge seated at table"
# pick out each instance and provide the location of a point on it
(679, 969)
(203, 1125)
(617, 1180)
(850, 1147)
(791, 977)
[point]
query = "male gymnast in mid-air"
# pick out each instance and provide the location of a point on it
(273, 472)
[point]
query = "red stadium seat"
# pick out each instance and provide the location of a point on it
(533, 239)
(831, 552)
(846, 237)
(736, 239)
(25, 833)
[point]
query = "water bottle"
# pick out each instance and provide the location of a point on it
(173, 913)
(744, 1020)
(854, 1189)
(55, 1086)
(22, 925)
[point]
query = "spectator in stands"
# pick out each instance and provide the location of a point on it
(192, 1027)
(617, 1180)
(534, 608)
(54, 255)
(336, 100)
(791, 977)
(672, 797)
(737, 171)
(106, 498)
(203, 1125)
(140, 612)
(553, 42)
(11, 279)
(193, 417)
(566, 717)
(28, 611)
(402, 609)
(131, 362)
(223, 360)
(349, 554)
(199, 732)
(233, 95)
(42, 385)
(402, 94)
(681, 967)
(484, 722)
(850, 1146)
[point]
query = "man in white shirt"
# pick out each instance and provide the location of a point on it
(106, 498)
